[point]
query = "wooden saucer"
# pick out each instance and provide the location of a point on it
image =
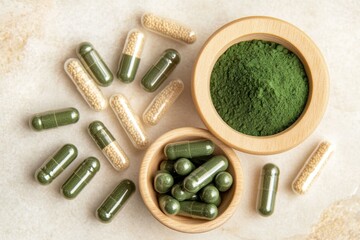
(268, 29)
(150, 164)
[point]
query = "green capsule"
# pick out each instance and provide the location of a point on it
(223, 181)
(180, 194)
(108, 145)
(54, 118)
(56, 164)
(267, 189)
(189, 149)
(163, 181)
(209, 194)
(183, 166)
(168, 166)
(157, 74)
(206, 211)
(94, 64)
(80, 178)
(218, 201)
(115, 201)
(204, 174)
(131, 55)
(169, 205)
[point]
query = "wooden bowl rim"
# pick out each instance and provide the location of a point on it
(186, 225)
(271, 29)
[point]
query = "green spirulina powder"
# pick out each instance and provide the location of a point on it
(259, 88)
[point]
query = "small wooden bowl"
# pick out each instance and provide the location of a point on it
(150, 164)
(268, 29)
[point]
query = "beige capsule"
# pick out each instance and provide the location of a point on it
(116, 156)
(85, 84)
(134, 43)
(312, 167)
(162, 102)
(129, 121)
(168, 28)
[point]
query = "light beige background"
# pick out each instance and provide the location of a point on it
(36, 37)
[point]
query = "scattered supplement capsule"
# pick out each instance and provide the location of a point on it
(54, 118)
(115, 201)
(169, 205)
(94, 64)
(131, 55)
(162, 102)
(157, 74)
(267, 189)
(183, 166)
(205, 174)
(189, 149)
(209, 194)
(80, 178)
(198, 210)
(180, 194)
(108, 145)
(129, 121)
(56, 164)
(85, 84)
(223, 181)
(163, 181)
(312, 167)
(168, 28)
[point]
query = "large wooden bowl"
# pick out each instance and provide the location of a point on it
(150, 164)
(268, 29)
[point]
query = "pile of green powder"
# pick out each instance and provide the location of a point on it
(259, 88)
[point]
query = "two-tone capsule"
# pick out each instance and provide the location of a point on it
(85, 84)
(80, 178)
(115, 201)
(94, 64)
(199, 210)
(205, 174)
(162, 102)
(269, 180)
(131, 56)
(129, 121)
(108, 145)
(169, 205)
(168, 28)
(189, 149)
(57, 163)
(157, 74)
(312, 167)
(54, 118)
